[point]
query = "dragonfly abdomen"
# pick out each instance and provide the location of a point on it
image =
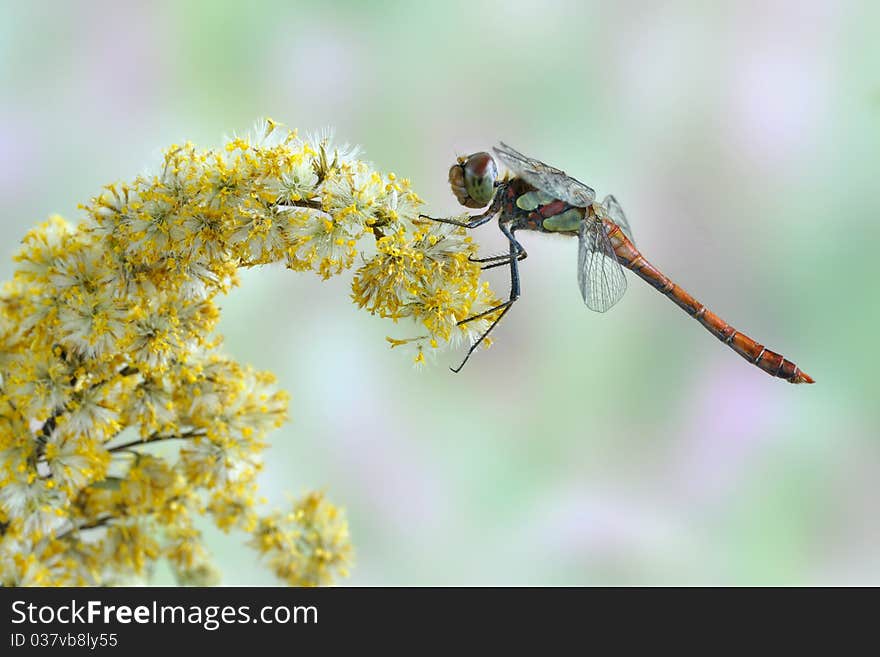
(771, 362)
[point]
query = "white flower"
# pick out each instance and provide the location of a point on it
(207, 396)
(156, 229)
(154, 337)
(267, 133)
(265, 235)
(151, 403)
(33, 501)
(218, 465)
(92, 411)
(81, 267)
(43, 386)
(42, 246)
(340, 153)
(69, 461)
(298, 184)
(92, 322)
(354, 188)
(318, 236)
(128, 278)
(205, 230)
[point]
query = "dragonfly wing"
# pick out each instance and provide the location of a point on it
(615, 213)
(548, 179)
(600, 275)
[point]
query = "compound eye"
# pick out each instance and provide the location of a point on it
(480, 173)
(456, 182)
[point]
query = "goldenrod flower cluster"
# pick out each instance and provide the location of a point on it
(121, 422)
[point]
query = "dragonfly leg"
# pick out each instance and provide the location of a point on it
(500, 256)
(513, 258)
(504, 307)
(475, 221)
(503, 260)
(490, 262)
(503, 257)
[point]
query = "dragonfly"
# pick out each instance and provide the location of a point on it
(538, 197)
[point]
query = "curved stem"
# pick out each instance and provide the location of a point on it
(89, 525)
(193, 433)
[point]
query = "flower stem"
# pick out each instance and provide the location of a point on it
(193, 433)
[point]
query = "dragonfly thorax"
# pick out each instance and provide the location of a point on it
(472, 179)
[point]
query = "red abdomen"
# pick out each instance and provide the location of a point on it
(773, 363)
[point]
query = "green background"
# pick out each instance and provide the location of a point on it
(743, 141)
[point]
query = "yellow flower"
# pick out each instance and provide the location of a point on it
(307, 546)
(120, 420)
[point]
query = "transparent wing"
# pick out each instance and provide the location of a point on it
(546, 178)
(615, 213)
(600, 275)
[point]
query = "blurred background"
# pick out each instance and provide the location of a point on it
(743, 142)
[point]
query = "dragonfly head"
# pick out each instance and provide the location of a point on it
(472, 179)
